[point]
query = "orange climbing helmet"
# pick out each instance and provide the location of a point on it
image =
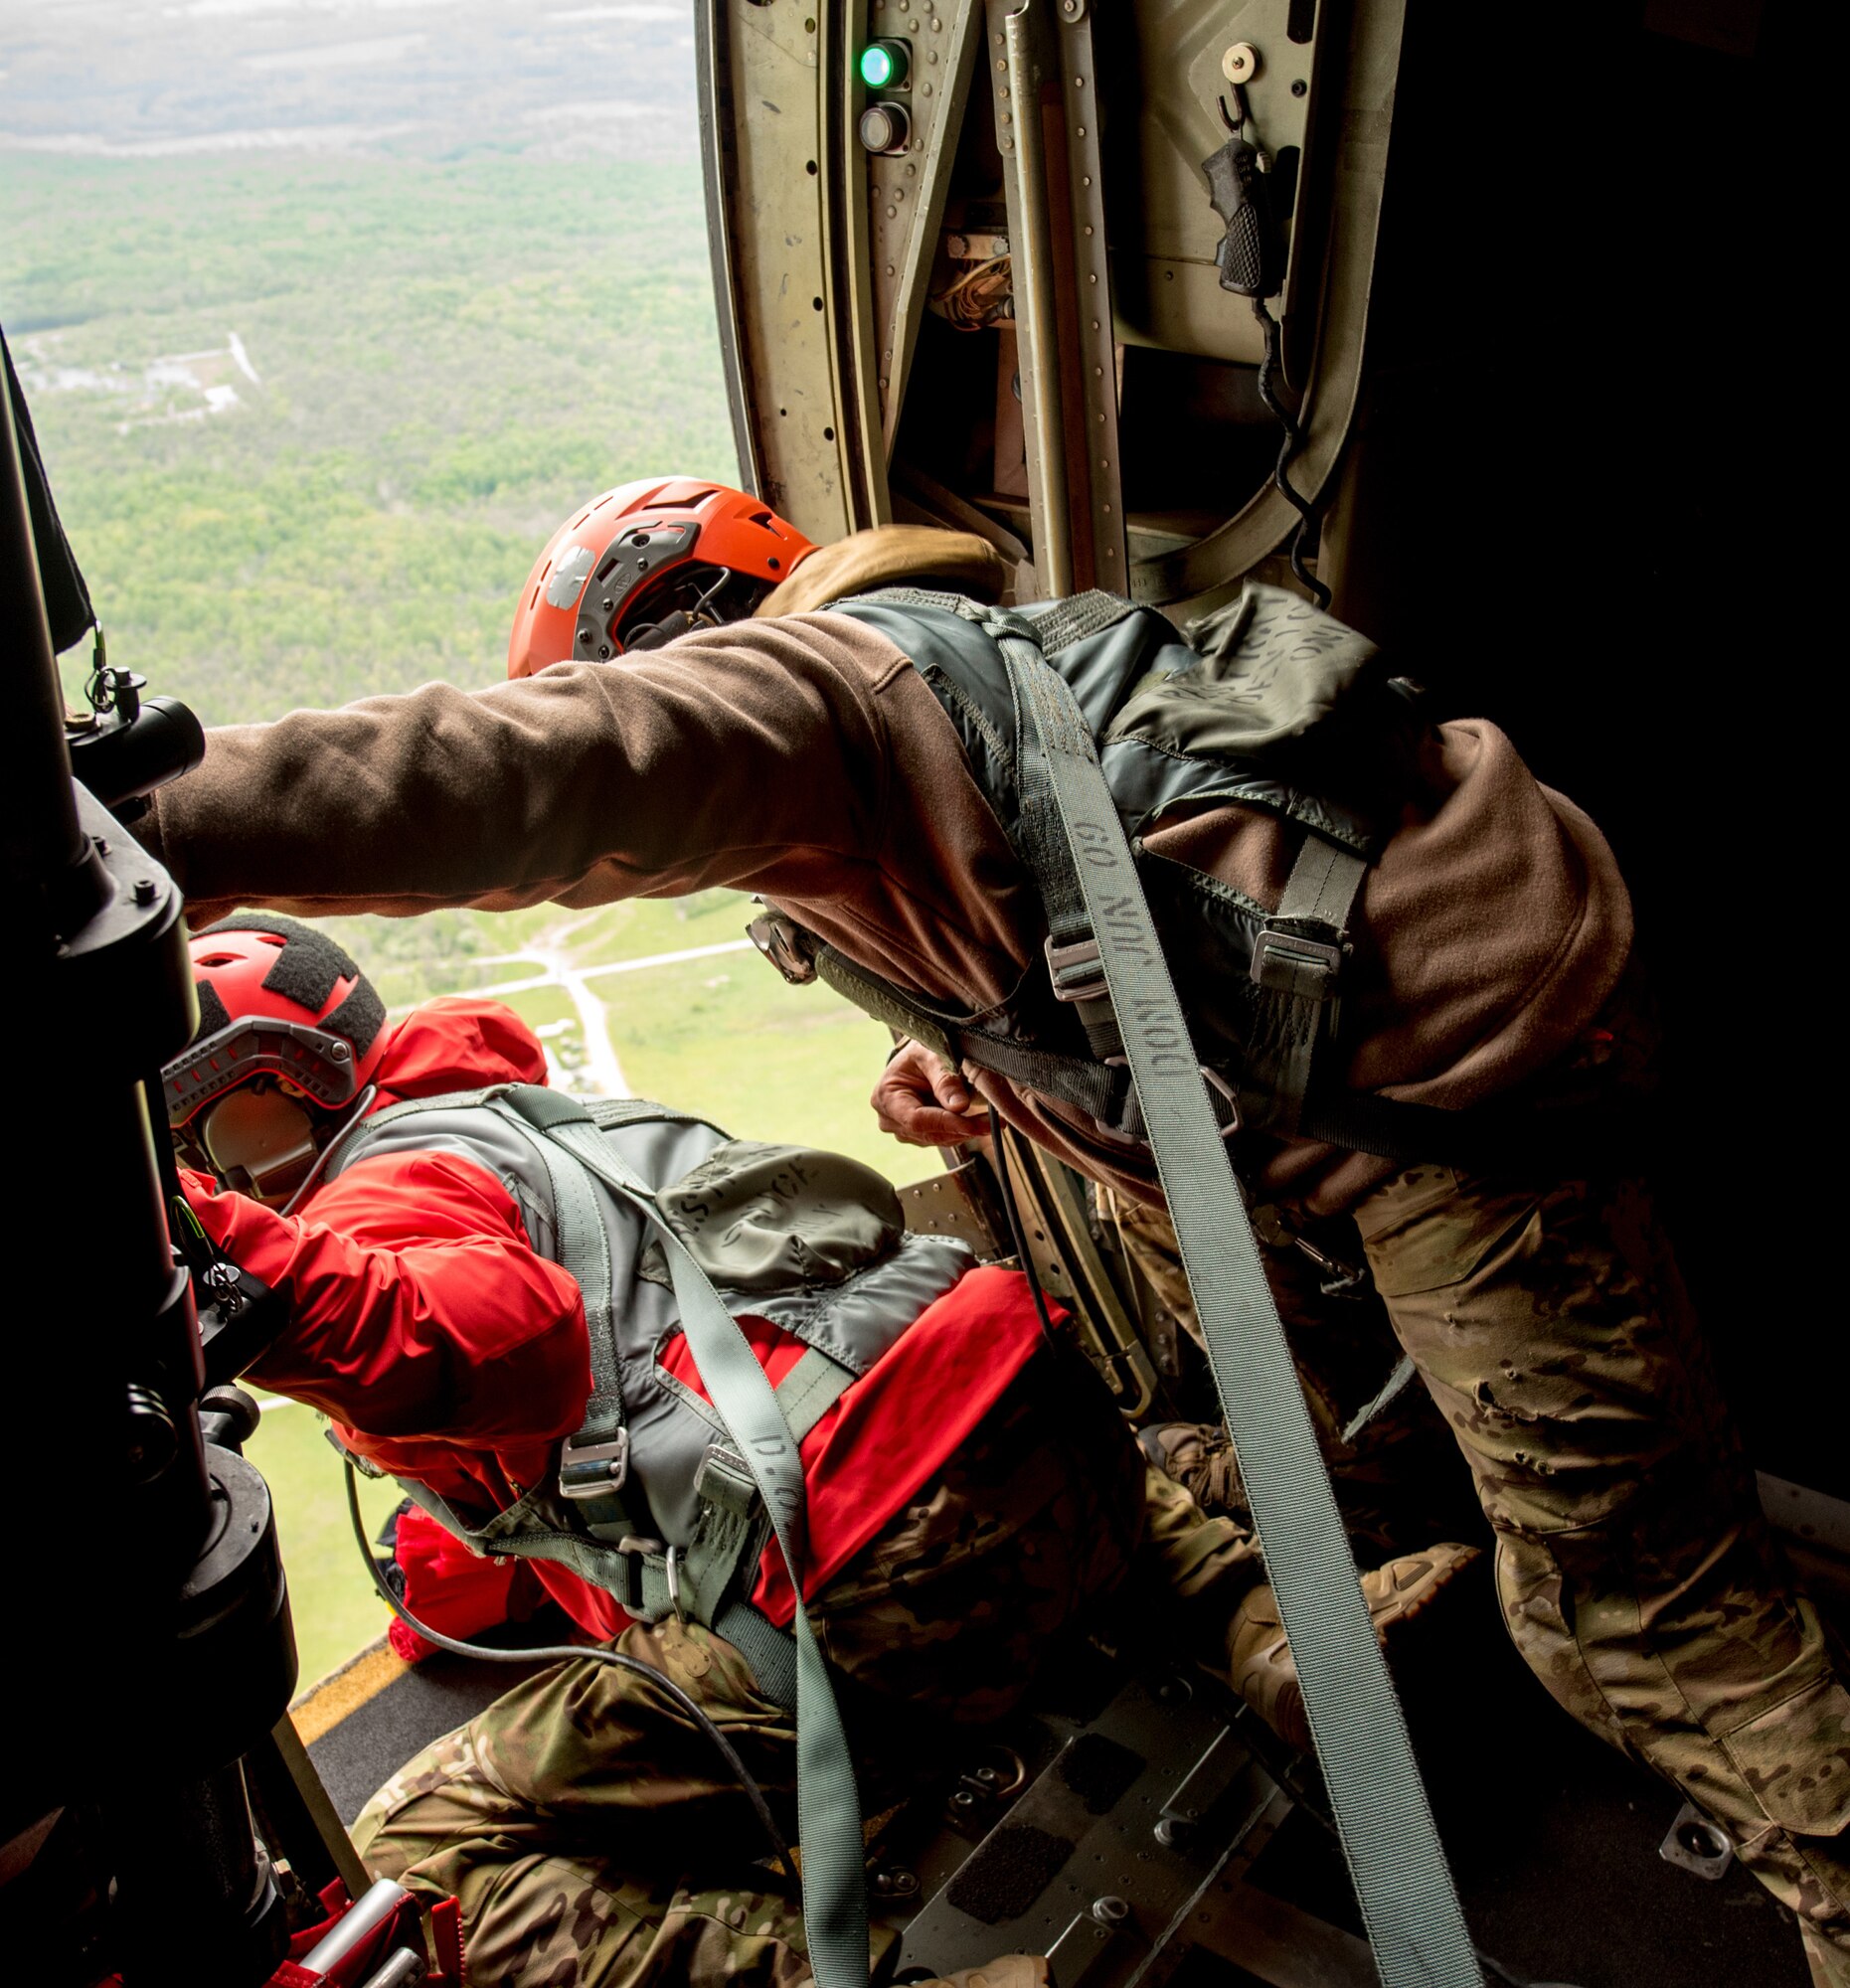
(645, 563)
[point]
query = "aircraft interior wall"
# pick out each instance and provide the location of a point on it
(1582, 466)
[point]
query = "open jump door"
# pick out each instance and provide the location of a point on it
(970, 265)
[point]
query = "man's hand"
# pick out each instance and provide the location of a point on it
(923, 1101)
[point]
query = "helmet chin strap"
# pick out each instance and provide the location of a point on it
(361, 1106)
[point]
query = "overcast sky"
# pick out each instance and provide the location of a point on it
(173, 77)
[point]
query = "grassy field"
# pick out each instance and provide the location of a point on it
(448, 356)
(335, 1608)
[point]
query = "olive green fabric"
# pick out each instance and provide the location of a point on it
(759, 1218)
(1396, 1477)
(827, 1797)
(1271, 666)
(1410, 1904)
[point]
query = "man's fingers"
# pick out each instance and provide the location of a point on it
(922, 1101)
(950, 1090)
(926, 1127)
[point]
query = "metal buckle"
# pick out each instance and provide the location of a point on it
(1062, 959)
(593, 1469)
(1133, 1142)
(1279, 958)
(1217, 1083)
(723, 1478)
(778, 940)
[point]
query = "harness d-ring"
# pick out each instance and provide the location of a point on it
(674, 1584)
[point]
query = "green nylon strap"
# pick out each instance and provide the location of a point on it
(811, 1388)
(828, 1804)
(885, 1004)
(584, 1245)
(1408, 1899)
(1323, 884)
(1296, 1013)
(770, 1652)
(585, 1254)
(1077, 618)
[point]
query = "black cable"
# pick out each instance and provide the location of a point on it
(575, 1653)
(998, 1137)
(1287, 449)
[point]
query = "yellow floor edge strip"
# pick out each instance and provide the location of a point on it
(324, 1706)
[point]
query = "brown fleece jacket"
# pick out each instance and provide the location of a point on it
(805, 758)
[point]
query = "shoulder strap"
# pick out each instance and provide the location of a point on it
(594, 1464)
(1057, 624)
(827, 1800)
(1077, 618)
(1406, 1891)
(449, 1100)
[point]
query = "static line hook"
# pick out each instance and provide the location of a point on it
(1240, 127)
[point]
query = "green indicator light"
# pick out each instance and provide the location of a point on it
(877, 65)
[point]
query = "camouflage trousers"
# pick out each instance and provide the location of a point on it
(1636, 1572)
(595, 1839)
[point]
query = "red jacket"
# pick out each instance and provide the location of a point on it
(446, 1350)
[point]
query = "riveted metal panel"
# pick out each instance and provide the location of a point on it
(1168, 288)
(905, 193)
(766, 91)
(1201, 574)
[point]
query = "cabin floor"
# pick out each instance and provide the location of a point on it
(1554, 1838)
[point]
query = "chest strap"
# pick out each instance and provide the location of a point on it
(1409, 1903)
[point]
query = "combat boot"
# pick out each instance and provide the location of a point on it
(1013, 1970)
(1260, 1659)
(1199, 1457)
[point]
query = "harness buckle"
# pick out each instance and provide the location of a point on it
(632, 1552)
(1218, 1089)
(779, 939)
(1132, 1131)
(1288, 962)
(1076, 969)
(723, 1478)
(593, 1469)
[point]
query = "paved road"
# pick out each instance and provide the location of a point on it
(602, 1070)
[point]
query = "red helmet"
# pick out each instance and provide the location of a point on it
(645, 563)
(289, 1035)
